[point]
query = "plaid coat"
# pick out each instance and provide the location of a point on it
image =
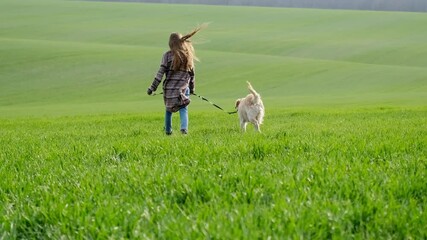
(174, 85)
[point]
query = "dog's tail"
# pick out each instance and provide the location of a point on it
(257, 97)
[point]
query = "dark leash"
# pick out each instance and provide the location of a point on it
(204, 99)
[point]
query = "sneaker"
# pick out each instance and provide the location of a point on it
(169, 133)
(184, 131)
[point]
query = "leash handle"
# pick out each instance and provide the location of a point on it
(154, 94)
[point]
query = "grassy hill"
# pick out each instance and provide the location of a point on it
(76, 57)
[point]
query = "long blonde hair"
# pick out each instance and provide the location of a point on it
(183, 50)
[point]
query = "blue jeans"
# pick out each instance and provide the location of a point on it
(183, 116)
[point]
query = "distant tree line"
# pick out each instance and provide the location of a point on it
(381, 5)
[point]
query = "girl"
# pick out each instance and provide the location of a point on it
(178, 66)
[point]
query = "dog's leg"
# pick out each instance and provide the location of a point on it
(243, 125)
(257, 126)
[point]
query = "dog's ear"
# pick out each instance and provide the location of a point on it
(237, 103)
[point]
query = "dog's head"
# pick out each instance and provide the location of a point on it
(237, 103)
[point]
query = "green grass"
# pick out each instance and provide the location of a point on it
(83, 154)
(327, 174)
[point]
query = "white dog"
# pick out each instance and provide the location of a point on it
(250, 109)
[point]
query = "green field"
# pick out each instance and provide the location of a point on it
(309, 175)
(343, 152)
